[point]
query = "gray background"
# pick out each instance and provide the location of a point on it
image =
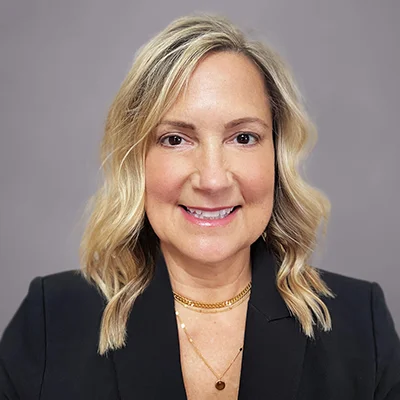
(63, 61)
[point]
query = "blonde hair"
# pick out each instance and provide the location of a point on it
(118, 247)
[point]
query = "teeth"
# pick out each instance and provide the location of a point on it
(210, 214)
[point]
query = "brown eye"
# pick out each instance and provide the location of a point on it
(172, 140)
(246, 138)
(243, 138)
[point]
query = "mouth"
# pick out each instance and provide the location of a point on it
(220, 213)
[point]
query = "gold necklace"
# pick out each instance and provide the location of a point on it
(219, 384)
(212, 306)
(216, 310)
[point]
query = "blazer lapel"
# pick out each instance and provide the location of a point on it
(149, 366)
(274, 346)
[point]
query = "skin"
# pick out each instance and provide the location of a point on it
(208, 165)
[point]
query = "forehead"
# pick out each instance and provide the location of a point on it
(225, 82)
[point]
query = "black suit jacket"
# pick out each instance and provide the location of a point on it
(48, 351)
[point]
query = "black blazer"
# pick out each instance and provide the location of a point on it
(48, 351)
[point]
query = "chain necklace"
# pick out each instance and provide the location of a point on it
(216, 310)
(219, 384)
(207, 307)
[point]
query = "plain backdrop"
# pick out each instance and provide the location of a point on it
(61, 63)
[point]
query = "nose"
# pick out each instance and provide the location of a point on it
(212, 168)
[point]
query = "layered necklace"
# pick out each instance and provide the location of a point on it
(211, 308)
(214, 307)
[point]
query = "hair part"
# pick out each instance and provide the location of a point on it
(119, 247)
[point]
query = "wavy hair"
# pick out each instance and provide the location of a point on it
(118, 247)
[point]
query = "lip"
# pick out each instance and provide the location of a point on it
(211, 223)
(208, 209)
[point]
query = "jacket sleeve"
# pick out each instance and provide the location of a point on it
(23, 348)
(387, 348)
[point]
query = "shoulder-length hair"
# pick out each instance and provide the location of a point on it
(118, 247)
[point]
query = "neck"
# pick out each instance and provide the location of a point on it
(208, 282)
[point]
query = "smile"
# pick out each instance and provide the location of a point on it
(209, 215)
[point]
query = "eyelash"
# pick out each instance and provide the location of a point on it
(256, 137)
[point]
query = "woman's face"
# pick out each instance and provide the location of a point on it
(213, 150)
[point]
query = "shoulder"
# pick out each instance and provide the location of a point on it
(356, 296)
(359, 310)
(56, 304)
(67, 291)
(72, 279)
(361, 317)
(355, 301)
(343, 283)
(69, 287)
(346, 288)
(60, 314)
(69, 301)
(352, 297)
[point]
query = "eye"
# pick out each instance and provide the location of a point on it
(247, 138)
(171, 140)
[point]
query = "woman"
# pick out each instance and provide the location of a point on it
(196, 282)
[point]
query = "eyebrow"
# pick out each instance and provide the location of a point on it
(229, 125)
(246, 120)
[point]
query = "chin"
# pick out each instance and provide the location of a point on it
(212, 250)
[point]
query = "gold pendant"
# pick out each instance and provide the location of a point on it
(220, 385)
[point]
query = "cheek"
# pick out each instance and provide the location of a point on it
(163, 179)
(258, 183)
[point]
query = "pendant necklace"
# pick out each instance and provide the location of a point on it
(211, 308)
(219, 384)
